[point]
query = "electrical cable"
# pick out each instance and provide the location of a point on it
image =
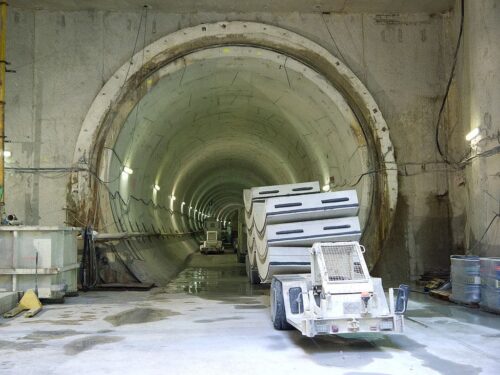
(448, 85)
(136, 117)
(131, 62)
(331, 36)
(485, 232)
(46, 169)
(491, 152)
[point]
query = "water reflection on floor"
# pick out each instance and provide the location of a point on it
(210, 320)
(217, 277)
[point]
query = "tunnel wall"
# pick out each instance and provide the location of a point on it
(475, 98)
(195, 109)
(63, 59)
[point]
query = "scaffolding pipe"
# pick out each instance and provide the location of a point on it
(3, 63)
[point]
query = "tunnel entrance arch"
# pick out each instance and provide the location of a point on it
(132, 82)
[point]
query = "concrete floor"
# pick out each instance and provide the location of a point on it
(209, 320)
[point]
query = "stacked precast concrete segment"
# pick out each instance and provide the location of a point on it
(284, 221)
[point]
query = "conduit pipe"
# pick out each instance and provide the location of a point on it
(105, 237)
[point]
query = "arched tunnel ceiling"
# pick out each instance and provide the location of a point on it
(227, 118)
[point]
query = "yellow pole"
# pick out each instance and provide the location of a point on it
(3, 31)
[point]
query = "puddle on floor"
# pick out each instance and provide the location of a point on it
(50, 335)
(6, 365)
(86, 343)
(61, 322)
(492, 336)
(226, 284)
(219, 319)
(236, 300)
(250, 307)
(105, 331)
(20, 346)
(139, 316)
(87, 318)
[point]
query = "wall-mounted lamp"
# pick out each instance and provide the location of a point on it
(128, 170)
(472, 134)
(7, 154)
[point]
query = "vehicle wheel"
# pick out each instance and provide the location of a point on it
(278, 314)
(253, 275)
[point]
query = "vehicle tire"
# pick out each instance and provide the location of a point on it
(253, 275)
(278, 313)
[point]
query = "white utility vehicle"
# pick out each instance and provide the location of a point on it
(212, 244)
(305, 243)
(213, 238)
(337, 297)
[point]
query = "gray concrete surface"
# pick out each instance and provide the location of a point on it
(475, 191)
(8, 300)
(64, 55)
(305, 6)
(209, 320)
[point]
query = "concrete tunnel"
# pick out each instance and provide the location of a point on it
(199, 115)
(126, 123)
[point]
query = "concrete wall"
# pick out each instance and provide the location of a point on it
(475, 98)
(63, 59)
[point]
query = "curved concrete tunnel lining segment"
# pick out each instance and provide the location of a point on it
(281, 131)
(105, 125)
(253, 131)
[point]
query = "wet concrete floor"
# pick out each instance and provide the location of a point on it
(209, 320)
